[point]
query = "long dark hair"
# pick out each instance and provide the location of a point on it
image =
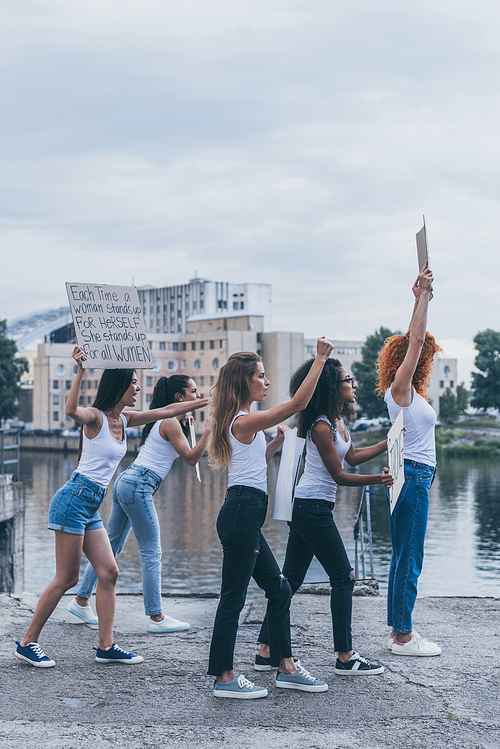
(113, 384)
(326, 399)
(166, 391)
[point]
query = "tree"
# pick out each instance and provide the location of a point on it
(11, 369)
(365, 372)
(486, 382)
(448, 409)
(463, 396)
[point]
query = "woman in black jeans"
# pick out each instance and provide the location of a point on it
(238, 442)
(312, 530)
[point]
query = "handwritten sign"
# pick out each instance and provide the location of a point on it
(422, 250)
(287, 475)
(395, 444)
(109, 326)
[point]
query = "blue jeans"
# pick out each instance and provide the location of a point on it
(247, 555)
(75, 506)
(313, 533)
(133, 507)
(408, 524)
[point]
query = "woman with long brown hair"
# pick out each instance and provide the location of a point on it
(74, 509)
(238, 442)
(404, 367)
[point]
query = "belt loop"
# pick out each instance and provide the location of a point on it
(240, 489)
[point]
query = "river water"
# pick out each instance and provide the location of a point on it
(462, 556)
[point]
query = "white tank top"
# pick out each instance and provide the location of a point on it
(316, 482)
(248, 465)
(101, 455)
(156, 453)
(419, 419)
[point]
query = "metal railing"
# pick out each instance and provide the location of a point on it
(9, 464)
(363, 544)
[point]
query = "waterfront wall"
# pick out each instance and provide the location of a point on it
(11, 536)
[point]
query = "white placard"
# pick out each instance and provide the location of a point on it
(395, 456)
(293, 447)
(423, 250)
(193, 443)
(109, 326)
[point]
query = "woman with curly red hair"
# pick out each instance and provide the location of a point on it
(404, 367)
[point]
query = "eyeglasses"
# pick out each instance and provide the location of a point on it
(350, 380)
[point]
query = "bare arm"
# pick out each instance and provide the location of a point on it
(322, 436)
(245, 427)
(137, 418)
(171, 430)
(355, 456)
(89, 416)
(276, 443)
(402, 385)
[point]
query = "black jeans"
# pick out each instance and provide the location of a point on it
(313, 533)
(246, 555)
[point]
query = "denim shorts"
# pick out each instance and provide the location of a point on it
(75, 507)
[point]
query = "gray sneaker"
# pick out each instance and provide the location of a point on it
(239, 688)
(302, 680)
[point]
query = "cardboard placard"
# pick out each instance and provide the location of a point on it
(291, 452)
(395, 456)
(109, 326)
(423, 250)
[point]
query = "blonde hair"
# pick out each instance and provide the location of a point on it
(229, 394)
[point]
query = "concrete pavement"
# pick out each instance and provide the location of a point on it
(167, 701)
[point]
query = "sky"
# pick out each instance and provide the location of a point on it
(292, 142)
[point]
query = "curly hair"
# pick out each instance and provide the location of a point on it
(392, 355)
(326, 399)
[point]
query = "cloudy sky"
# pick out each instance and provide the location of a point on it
(296, 142)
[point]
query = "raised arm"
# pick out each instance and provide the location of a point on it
(137, 418)
(247, 426)
(171, 430)
(89, 415)
(322, 437)
(402, 385)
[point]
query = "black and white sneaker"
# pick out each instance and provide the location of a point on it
(357, 666)
(264, 664)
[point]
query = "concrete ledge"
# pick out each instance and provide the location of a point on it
(11, 535)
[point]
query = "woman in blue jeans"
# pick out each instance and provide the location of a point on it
(133, 505)
(405, 365)
(238, 442)
(313, 531)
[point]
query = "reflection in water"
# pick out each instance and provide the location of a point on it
(462, 546)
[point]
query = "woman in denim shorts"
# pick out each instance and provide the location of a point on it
(404, 366)
(313, 531)
(74, 510)
(133, 505)
(238, 442)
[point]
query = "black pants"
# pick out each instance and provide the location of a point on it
(247, 555)
(313, 533)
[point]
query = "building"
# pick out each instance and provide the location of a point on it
(168, 309)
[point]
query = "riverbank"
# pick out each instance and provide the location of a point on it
(167, 701)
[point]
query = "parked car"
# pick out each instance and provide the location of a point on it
(71, 433)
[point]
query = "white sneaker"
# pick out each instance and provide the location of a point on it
(167, 624)
(84, 613)
(416, 646)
